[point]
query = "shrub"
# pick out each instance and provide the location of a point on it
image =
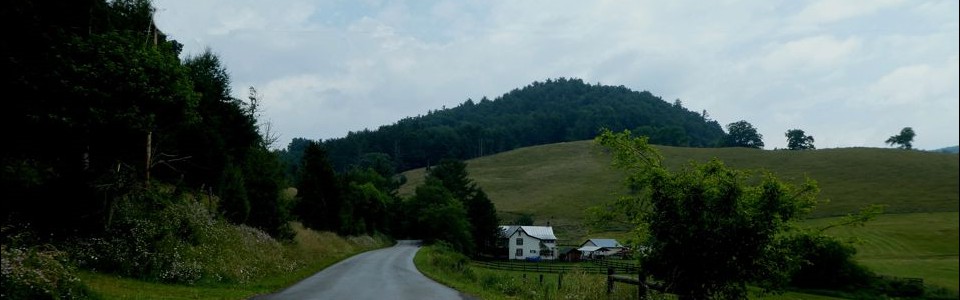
(826, 262)
(448, 259)
(39, 273)
(157, 235)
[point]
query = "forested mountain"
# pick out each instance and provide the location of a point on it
(556, 110)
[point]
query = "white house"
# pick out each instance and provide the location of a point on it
(525, 242)
(600, 247)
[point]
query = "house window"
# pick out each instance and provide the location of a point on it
(519, 252)
(519, 241)
(533, 251)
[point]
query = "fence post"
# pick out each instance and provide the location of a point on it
(559, 280)
(609, 280)
(641, 285)
(541, 278)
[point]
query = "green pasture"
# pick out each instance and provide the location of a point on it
(921, 245)
(558, 182)
(917, 237)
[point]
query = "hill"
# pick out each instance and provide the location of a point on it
(952, 149)
(547, 112)
(557, 182)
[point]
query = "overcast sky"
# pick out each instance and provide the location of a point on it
(849, 73)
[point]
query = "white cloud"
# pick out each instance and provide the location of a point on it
(832, 68)
(828, 11)
(917, 84)
(810, 53)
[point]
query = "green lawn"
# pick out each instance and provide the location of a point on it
(924, 245)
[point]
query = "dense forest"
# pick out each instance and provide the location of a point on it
(125, 157)
(553, 111)
(105, 104)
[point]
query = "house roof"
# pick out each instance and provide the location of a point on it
(590, 248)
(538, 232)
(609, 243)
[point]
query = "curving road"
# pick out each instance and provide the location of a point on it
(386, 273)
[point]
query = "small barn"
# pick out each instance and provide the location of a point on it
(594, 248)
(569, 254)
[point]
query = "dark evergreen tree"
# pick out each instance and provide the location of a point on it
(319, 191)
(263, 179)
(481, 213)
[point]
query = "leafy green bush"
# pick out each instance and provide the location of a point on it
(826, 262)
(40, 272)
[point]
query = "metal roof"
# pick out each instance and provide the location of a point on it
(538, 232)
(589, 248)
(609, 243)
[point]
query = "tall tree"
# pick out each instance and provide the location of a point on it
(92, 92)
(798, 140)
(904, 140)
(439, 216)
(319, 190)
(707, 232)
(481, 213)
(263, 180)
(743, 134)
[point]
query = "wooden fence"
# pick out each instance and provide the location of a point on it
(593, 267)
(628, 273)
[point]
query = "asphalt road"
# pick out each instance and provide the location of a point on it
(386, 273)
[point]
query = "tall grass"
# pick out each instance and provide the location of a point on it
(39, 272)
(310, 251)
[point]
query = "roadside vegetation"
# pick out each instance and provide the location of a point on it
(310, 252)
(444, 265)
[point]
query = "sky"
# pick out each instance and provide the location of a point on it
(848, 73)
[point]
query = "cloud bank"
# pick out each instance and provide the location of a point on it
(848, 73)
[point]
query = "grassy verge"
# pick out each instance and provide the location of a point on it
(115, 287)
(312, 251)
(454, 270)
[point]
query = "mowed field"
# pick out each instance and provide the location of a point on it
(918, 237)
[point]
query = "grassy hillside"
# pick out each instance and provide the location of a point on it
(557, 182)
(924, 245)
(918, 237)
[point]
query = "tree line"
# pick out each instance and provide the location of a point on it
(106, 106)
